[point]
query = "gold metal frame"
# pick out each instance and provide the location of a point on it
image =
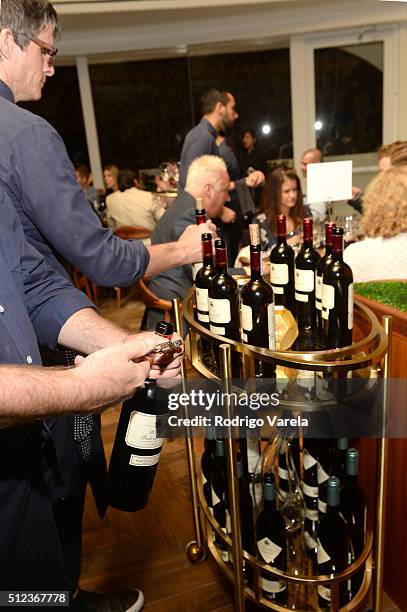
(372, 353)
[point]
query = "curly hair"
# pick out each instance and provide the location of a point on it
(385, 204)
(270, 203)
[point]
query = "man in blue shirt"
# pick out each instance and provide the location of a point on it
(39, 178)
(37, 304)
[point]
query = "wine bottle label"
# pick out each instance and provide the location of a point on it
(244, 337)
(221, 331)
(305, 379)
(311, 515)
(321, 474)
(272, 586)
(142, 430)
(195, 269)
(203, 318)
(322, 506)
(144, 460)
(304, 280)
(271, 319)
(350, 306)
(283, 473)
(278, 274)
(328, 297)
(224, 555)
(308, 460)
(268, 549)
(309, 541)
(277, 289)
(203, 479)
(201, 300)
(219, 310)
(215, 498)
(322, 555)
(301, 297)
(247, 317)
(325, 593)
(253, 454)
(310, 491)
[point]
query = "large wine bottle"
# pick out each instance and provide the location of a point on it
(354, 513)
(282, 268)
(271, 543)
(305, 266)
(200, 217)
(257, 307)
(337, 297)
(207, 464)
(331, 462)
(322, 265)
(223, 298)
(333, 545)
(202, 279)
(138, 443)
(219, 485)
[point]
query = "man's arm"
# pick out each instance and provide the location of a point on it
(107, 376)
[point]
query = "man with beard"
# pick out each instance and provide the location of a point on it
(219, 115)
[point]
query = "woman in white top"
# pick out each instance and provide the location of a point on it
(383, 254)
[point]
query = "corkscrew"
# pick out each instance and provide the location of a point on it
(166, 348)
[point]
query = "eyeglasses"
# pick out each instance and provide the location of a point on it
(46, 49)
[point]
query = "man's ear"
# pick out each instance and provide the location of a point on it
(219, 108)
(7, 43)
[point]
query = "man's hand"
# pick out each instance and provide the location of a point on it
(227, 215)
(255, 179)
(114, 373)
(190, 241)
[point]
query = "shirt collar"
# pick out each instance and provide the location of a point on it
(5, 92)
(209, 127)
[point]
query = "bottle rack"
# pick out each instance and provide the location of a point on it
(370, 354)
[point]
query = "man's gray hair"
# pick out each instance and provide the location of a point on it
(28, 17)
(205, 170)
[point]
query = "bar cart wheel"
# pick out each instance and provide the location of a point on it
(195, 553)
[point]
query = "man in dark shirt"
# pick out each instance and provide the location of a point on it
(219, 115)
(207, 178)
(37, 304)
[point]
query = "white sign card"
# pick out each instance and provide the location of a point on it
(329, 181)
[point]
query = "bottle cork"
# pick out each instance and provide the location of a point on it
(254, 234)
(199, 204)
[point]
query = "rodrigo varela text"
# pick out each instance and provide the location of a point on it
(249, 422)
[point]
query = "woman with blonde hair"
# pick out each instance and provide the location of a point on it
(110, 175)
(383, 254)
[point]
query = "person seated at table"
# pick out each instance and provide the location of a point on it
(383, 254)
(110, 174)
(282, 194)
(132, 206)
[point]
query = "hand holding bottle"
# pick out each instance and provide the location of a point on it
(114, 373)
(190, 241)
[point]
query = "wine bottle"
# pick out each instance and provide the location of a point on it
(223, 298)
(322, 265)
(333, 545)
(331, 462)
(246, 516)
(200, 217)
(202, 279)
(257, 307)
(310, 490)
(138, 443)
(219, 486)
(305, 266)
(207, 464)
(282, 268)
(337, 297)
(271, 543)
(354, 512)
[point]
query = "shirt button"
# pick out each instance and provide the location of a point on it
(1, 309)
(29, 359)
